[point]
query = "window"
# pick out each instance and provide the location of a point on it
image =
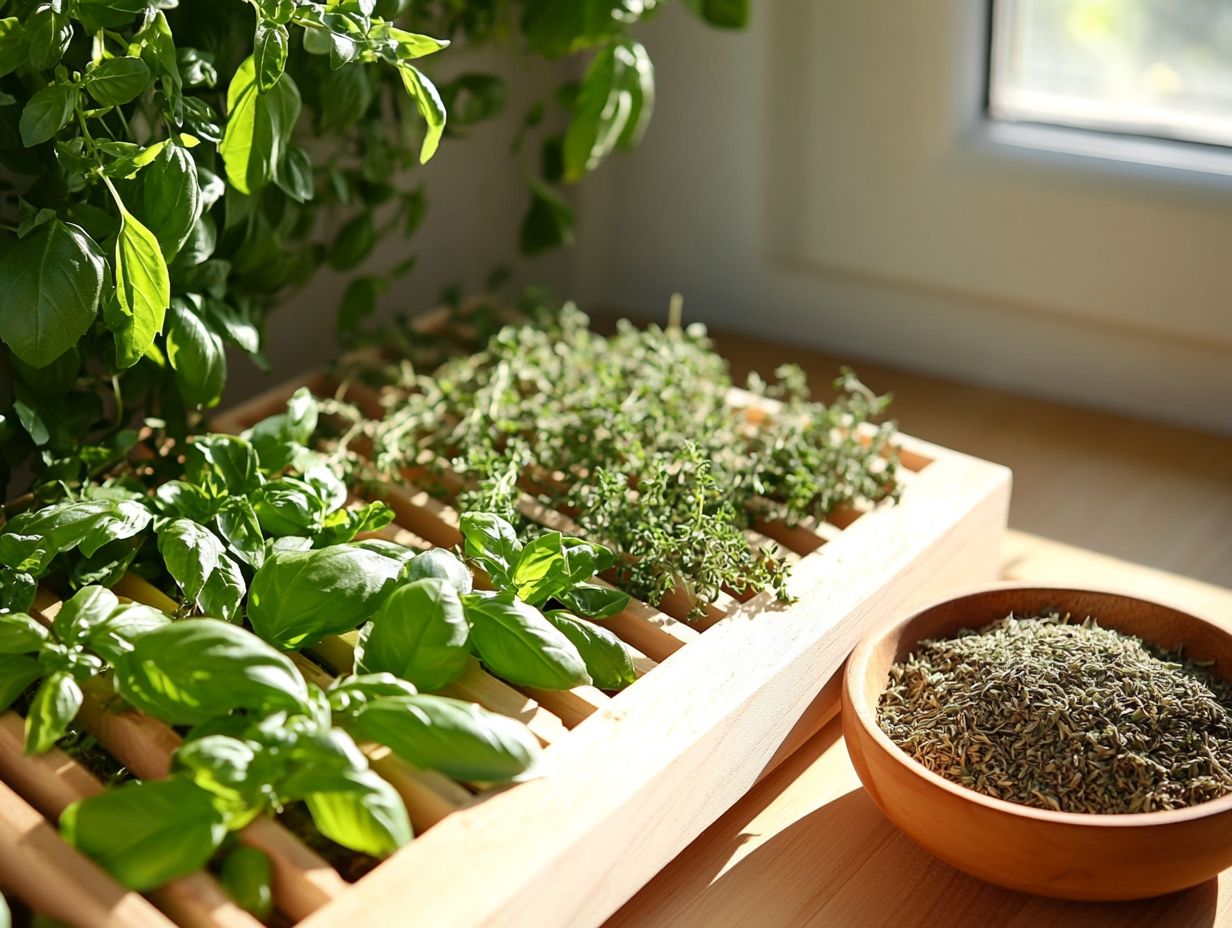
(1159, 68)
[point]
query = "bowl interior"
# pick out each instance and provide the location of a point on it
(1157, 624)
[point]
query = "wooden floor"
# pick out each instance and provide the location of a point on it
(1148, 493)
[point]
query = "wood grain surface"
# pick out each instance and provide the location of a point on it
(807, 847)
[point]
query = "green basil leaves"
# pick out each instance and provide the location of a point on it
(196, 670)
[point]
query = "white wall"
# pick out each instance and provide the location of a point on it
(724, 202)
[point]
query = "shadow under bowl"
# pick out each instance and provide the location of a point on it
(1067, 855)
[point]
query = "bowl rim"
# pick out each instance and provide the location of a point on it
(853, 688)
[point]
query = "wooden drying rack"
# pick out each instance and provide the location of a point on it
(631, 777)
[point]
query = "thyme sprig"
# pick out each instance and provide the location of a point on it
(635, 436)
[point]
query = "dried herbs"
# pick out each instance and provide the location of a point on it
(634, 436)
(1063, 715)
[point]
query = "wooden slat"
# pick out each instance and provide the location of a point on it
(57, 880)
(53, 780)
(572, 706)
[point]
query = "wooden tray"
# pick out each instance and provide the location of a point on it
(633, 778)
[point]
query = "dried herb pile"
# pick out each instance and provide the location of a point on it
(634, 437)
(1064, 716)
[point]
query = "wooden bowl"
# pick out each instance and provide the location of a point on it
(1068, 855)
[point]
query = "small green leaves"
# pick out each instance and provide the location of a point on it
(46, 113)
(420, 634)
(143, 289)
(115, 81)
(518, 644)
(196, 670)
(146, 834)
(50, 284)
(430, 107)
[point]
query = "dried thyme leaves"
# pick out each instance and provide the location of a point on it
(1064, 716)
(633, 435)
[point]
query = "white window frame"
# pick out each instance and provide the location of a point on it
(931, 194)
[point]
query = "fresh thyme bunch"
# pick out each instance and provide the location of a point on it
(635, 436)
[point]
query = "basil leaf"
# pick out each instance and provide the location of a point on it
(443, 565)
(115, 637)
(50, 284)
(116, 81)
(270, 54)
(293, 175)
(368, 817)
(491, 542)
(602, 109)
(542, 569)
(143, 289)
(87, 609)
(278, 438)
(259, 127)
(169, 201)
(55, 705)
(20, 634)
(561, 27)
(458, 738)
(353, 243)
(46, 113)
(347, 694)
(594, 602)
(32, 539)
(431, 109)
(518, 644)
(49, 34)
(224, 465)
(248, 877)
(608, 661)
(238, 526)
(289, 506)
(146, 834)
(14, 48)
(299, 597)
(16, 673)
(420, 634)
(192, 671)
(17, 589)
(548, 222)
(228, 770)
(206, 574)
(196, 354)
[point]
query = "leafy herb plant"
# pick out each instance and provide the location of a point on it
(257, 544)
(171, 171)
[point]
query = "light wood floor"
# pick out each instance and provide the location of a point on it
(1148, 493)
